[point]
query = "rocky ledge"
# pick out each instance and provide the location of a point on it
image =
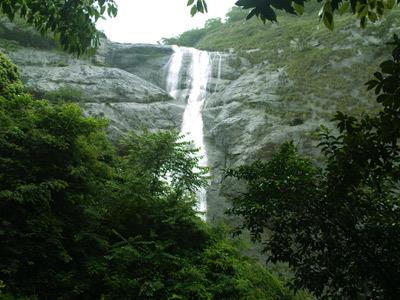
(123, 82)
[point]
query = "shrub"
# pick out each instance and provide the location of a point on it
(66, 94)
(10, 81)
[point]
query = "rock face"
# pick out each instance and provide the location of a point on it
(127, 116)
(123, 82)
(100, 84)
(250, 108)
(150, 62)
(238, 129)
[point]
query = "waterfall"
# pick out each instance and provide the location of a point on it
(219, 72)
(174, 71)
(199, 73)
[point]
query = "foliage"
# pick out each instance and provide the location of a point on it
(235, 14)
(82, 218)
(338, 227)
(72, 23)
(65, 94)
(187, 39)
(192, 37)
(22, 34)
(168, 160)
(51, 169)
(10, 81)
(197, 6)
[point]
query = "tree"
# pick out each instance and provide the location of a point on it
(83, 218)
(338, 226)
(72, 23)
(10, 80)
(52, 162)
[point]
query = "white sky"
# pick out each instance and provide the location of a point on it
(147, 21)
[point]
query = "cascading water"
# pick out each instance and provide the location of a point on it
(198, 76)
(219, 71)
(174, 72)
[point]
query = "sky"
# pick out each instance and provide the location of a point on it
(147, 21)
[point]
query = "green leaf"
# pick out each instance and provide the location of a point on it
(298, 8)
(388, 67)
(344, 7)
(205, 6)
(251, 14)
(363, 22)
(372, 16)
(390, 4)
(328, 20)
(200, 6)
(362, 10)
(193, 11)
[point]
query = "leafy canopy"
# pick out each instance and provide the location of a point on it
(84, 218)
(10, 80)
(338, 226)
(72, 23)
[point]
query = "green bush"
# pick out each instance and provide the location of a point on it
(236, 14)
(192, 37)
(10, 81)
(82, 218)
(187, 39)
(66, 94)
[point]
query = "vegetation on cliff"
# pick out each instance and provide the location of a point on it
(83, 218)
(10, 81)
(337, 226)
(365, 11)
(325, 70)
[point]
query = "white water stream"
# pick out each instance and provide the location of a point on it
(219, 71)
(198, 76)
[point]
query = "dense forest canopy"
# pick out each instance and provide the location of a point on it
(84, 218)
